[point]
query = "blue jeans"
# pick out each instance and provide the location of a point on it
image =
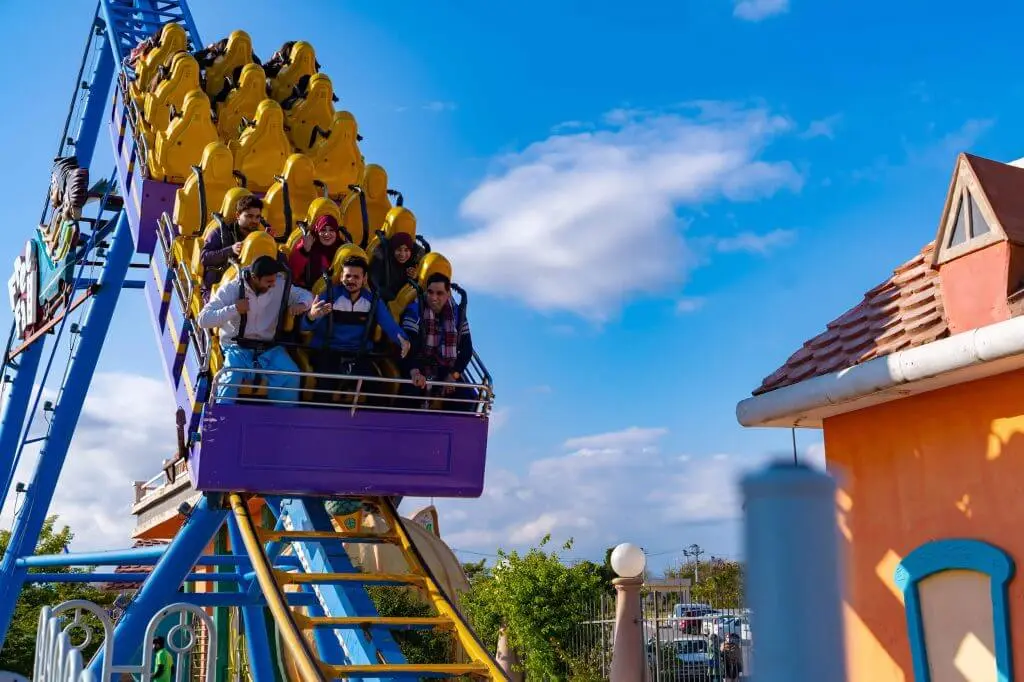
(283, 387)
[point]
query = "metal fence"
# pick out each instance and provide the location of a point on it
(684, 642)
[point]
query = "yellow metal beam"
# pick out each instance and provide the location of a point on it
(472, 646)
(305, 622)
(308, 665)
(290, 535)
(316, 578)
(382, 669)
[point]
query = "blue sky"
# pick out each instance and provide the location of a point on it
(652, 208)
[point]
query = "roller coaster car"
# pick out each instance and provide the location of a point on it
(222, 59)
(189, 249)
(310, 108)
(261, 151)
(372, 198)
(238, 99)
(191, 130)
(288, 199)
(204, 189)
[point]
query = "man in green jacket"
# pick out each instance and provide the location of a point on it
(163, 662)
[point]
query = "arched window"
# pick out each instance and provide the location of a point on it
(958, 620)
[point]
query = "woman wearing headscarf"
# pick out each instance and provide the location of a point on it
(313, 255)
(392, 271)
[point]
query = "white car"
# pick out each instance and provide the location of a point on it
(725, 625)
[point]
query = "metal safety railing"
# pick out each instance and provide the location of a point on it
(364, 395)
(58, 658)
(144, 489)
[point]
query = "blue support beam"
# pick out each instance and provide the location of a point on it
(261, 662)
(88, 132)
(140, 556)
(162, 586)
(126, 577)
(16, 410)
(29, 521)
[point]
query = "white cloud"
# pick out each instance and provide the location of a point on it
(499, 417)
(750, 242)
(609, 488)
(825, 127)
(125, 432)
(690, 304)
(756, 10)
(554, 213)
(439, 106)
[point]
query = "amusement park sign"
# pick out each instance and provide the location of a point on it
(42, 279)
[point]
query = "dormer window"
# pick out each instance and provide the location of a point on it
(970, 221)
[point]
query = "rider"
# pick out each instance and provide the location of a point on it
(226, 241)
(163, 662)
(248, 310)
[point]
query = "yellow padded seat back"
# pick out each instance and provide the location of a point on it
(217, 165)
(172, 40)
(183, 80)
(255, 244)
(227, 210)
(301, 62)
(431, 263)
(322, 206)
(375, 187)
(339, 163)
(299, 172)
(314, 110)
(185, 140)
(237, 53)
(343, 252)
(243, 101)
(261, 151)
(398, 219)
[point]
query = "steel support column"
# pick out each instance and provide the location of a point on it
(15, 411)
(29, 522)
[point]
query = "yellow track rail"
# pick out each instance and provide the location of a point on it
(292, 623)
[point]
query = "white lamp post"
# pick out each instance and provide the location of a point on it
(628, 664)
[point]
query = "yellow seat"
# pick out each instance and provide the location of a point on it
(314, 109)
(398, 219)
(241, 101)
(301, 62)
(227, 212)
(217, 165)
(431, 263)
(172, 40)
(183, 80)
(261, 151)
(338, 160)
(299, 174)
(237, 54)
(375, 189)
(185, 140)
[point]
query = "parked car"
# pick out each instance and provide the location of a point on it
(685, 659)
(727, 624)
(689, 618)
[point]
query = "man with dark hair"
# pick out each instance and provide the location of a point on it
(442, 342)
(226, 240)
(163, 662)
(341, 339)
(249, 311)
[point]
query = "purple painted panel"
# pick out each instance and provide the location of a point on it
(266, 449)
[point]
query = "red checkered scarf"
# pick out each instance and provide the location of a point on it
(440, 337)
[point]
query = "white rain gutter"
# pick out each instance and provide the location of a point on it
(987, 351)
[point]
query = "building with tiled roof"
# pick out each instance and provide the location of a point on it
(919, 392)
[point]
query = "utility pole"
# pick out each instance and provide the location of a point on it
(696, 552)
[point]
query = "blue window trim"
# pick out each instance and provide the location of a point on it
(952, 555)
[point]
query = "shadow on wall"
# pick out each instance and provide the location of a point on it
(945, 464)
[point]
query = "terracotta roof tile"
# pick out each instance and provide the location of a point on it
(134, 568)
(904, 311)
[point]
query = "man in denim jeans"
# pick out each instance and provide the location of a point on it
(248, 310)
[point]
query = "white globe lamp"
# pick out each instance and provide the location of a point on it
(628, 560)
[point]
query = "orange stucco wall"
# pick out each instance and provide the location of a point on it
(946, 464)
(974, 288)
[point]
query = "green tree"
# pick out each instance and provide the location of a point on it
(540, 601)
(19, 649)
(475, 570)
(721, 582)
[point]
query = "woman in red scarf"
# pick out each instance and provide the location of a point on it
(313, 255)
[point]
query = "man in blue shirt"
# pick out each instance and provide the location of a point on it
(341, 338)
